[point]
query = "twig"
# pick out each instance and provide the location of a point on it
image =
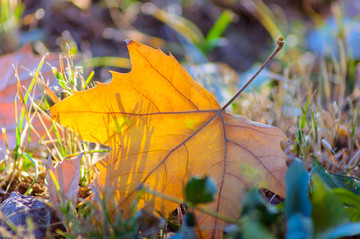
(280, 43)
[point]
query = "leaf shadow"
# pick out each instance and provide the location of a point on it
(130, 139)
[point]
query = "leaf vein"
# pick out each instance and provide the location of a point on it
(167, 79)
(257, 158)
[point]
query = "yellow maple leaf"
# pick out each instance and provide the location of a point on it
(164, 128)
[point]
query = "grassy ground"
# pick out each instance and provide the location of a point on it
(310, 91)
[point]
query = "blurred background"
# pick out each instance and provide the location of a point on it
(235, 32)
(310, 90)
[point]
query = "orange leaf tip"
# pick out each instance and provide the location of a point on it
(128, 41)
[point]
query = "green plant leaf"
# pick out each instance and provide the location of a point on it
(347, 197)
(297, 181)
(299, 227)
(255, 206)
(200, 190)
(336, 180)
(318, 169)
(253, 229)
(354, 214)
(347, 182)
(349, 229)
(297, 204)
(257, 218)
(351, 200)
(328, 211)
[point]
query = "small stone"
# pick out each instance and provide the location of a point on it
(17, 208)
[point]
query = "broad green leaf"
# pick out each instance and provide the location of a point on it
(347, 182)
(336, 180)
(200, 190)
(297, 204)
(328, 211)
(299, 227)
(351, 200)
(297, 181)
(253, 229)
(255, 206)
(347, 230)
(347, 197)
(258, 216)
(354, 214)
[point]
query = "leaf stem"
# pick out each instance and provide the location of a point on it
(280, 43)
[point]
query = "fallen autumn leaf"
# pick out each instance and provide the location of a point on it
(66, 176)
(164, 128)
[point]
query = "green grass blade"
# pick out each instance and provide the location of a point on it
(217, 30)
(36, 172)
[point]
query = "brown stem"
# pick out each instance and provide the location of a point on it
(280, 43)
